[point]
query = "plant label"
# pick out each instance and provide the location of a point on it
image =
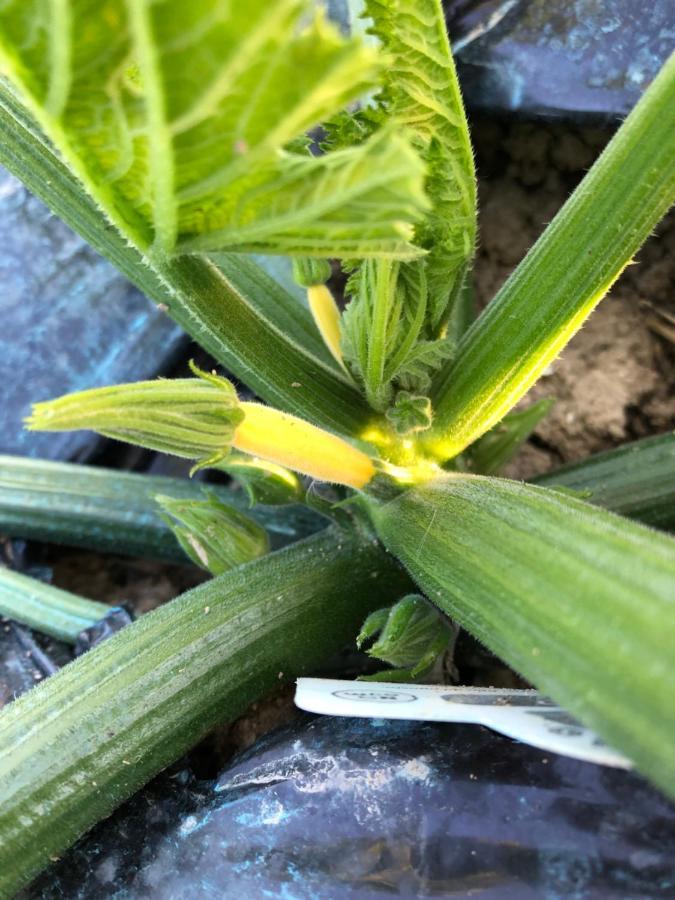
(524, 715)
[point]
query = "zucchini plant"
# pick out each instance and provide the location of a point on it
(180, 139)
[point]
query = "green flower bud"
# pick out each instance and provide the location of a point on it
(410, 413)
(213, 535)
(190, 417)
(412, 636)
(308, 271)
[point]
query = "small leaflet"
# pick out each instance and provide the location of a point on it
(524, 715)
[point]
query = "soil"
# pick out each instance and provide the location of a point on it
(614, 383)
(141, 584)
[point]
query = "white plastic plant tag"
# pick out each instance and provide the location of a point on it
(524, 715)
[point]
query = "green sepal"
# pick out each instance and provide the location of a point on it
(264, 482)
(308, 271)
(194, 418)
(410, 413)
(216, 537)
(329, 501)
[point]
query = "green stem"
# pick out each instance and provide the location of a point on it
(75, 747)
(564, 276)
(637, 480)
(576, 599)
(231, 320)
(46, 608)
(112, 511)
(493, 450)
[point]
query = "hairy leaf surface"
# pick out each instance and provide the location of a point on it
(422, 92)
(394, 309)
(182, 120)
(578, 600)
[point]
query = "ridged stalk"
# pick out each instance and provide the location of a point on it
(637, 480)
(579, 601)
(112, 511)
(76, 746)
(565, 275)
(47, 608)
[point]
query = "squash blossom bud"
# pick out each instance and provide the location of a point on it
(191, 417)
(213, 535)
(201, 418)
(313, 275)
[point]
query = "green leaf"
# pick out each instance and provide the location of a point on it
(578, 600)
(383, 331)
(421, 91)
(493, 450)
(398, 313)
(413, 634)
(636, 480)
(87, 738)
(420, 363)
(351, 203)
(214, 536)
(47, 608)
(115, 512)
(264, 482)
(564, 276)
(194, 418)
(179, 120)
(250, 325)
